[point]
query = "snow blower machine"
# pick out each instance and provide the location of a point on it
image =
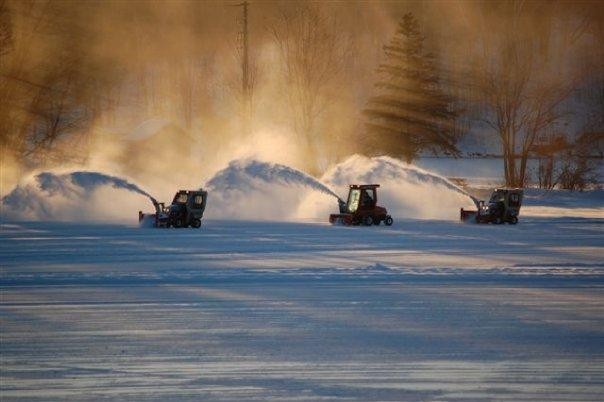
(186, 210)
(504, 206)
(361, 207)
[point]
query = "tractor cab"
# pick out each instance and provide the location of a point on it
(503, 206)
(361, 198)
(361, 207)
(186, 210)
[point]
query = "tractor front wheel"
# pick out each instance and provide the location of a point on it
(178, 223)
(368, 220)
(513, 220)
(388, 221)
(196, 223)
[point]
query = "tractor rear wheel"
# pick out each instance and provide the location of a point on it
(388, 220)
(513, 220)
(368, 220)
(196, 223)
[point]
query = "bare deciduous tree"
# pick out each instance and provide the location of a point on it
(6, 34)
(313, 51)
(48, 86)
(525, 77)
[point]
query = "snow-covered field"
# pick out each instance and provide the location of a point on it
(268, 302)
(240, 310)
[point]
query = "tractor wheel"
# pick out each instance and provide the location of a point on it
(388, 221)
(368, 220)
(513, 220)
(498, 221)
(178, 223)
(196, 223)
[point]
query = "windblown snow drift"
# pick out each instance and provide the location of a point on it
(79, 195)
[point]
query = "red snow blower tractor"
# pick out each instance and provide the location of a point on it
(361, 207)
(186, 210)
(503, 206)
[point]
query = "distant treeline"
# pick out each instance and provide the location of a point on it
(403, 79)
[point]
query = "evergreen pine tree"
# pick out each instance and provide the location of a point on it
(411, 112)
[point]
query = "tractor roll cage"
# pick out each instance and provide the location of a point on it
(359, 197)
(361, 207)
(364, 186)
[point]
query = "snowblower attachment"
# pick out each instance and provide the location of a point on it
(361, 207)
(186, 210)
(158, 219)
(503, 206)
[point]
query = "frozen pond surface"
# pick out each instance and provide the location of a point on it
(423, 310)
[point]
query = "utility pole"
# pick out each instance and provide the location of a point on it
(245, 62)
(246, 78)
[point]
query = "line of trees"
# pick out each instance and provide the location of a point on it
(522, 76)
(510, 68)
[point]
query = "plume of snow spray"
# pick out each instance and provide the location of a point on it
(406, 190)
(252, 189)
(89, 180)
(70, 196)
(361, 169)
(239, 173)
(245, 189)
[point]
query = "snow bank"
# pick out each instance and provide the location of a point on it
(74, 196)
(564, 198)
(563, 203)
